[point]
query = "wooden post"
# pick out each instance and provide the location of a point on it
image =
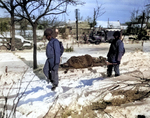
(6, 70)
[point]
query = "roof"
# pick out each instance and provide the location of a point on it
(138, 25)
(109, 24)
(16, 36)
(124, 27)
(114, 29)
(103, 24)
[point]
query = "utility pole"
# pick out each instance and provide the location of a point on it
(143, 18)
(1, 27)
(77, 24)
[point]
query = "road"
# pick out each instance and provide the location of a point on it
(82, 49)
(104, 47)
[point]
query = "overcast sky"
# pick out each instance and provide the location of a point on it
(114, 9)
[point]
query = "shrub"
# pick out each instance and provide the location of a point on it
(68, 49)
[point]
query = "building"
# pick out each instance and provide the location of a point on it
(109, 24)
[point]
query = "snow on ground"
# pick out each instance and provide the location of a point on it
(76, 87)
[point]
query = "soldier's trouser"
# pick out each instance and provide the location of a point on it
(54, 77)
(116, 69)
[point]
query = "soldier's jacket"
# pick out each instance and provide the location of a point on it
(116, 51)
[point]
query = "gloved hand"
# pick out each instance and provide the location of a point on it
(55, 67)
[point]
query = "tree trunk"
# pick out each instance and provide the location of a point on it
(34, 47)
(13, 32)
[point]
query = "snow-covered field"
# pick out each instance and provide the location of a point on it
(23, 94)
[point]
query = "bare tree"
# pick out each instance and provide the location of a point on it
(147, 13)
(97, 13)
(33, 10)
(134, 15)
(10, 6)
(23, 26)
(46, 22)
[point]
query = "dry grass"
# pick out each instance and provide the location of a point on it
(89, 111)
(86, 112)
(129, 96)
(98, 107)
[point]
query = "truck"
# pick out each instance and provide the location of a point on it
(20, 42)
(105, 35)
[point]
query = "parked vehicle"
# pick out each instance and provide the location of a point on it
(102, 36)
(95, 38)
(109, 34)
(20, 43)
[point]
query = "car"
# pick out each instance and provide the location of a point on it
(95, 38)
(20, 42)
(105, 35)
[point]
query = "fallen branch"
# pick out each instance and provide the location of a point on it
(51, 106)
